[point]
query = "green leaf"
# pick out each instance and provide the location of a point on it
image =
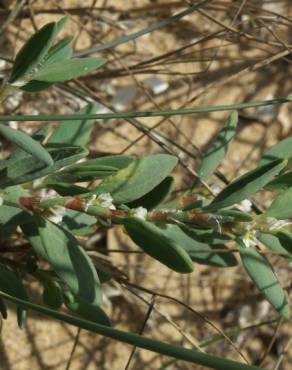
(10, 217)
(69, 261)
(12, 285)
(282, 150)
(27, 144)
(92, 169)
(154, 197)
(281, 208)
(246, 185)
(63, 189)
(137, 179)
(75, 132)
(21, 317)
(60, 51)
(38, 136)
(155, 242)
(31, 233)
(32, 53)
(61, 24)
(234, 214)
(277, 241)
(18, 171)
(190, 355)
(86, 310)
(281, 182)
(68, 69)
(53, 294)
(200, 252)
(207, 236)
(78, 223)
(35, 86)
(219, 147)
(261, 273)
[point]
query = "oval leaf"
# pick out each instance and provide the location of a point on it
(60, 51)
(27, 144)
(155, 242)
(69, 260)
(246, 185)
(281, 150)
(218, 149)
(32, 53)
(138, 179)
(18, 171)
(12, 285)
(39, 136)
(200, 252)
(52, 294)
(155, 196)
(75, 132)
(280, 183)
(262, 274)
(281, 208)
(93, 169)
(88, 311)
(68, 69)
(277, 241)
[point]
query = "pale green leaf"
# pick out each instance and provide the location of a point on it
(281, 182)
(68, 69)
(155, 242)
(219, 148)
(261, 272)
(281, 208)
(32, 53)
(199, 252)
(75, 132)
(26, 143)
(69, 261)
(246, 185)
(137, 179)
(282, 150)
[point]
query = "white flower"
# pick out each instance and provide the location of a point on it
(89, 202)
(105, 200)
(249, 239)
(246, 205)
(140, 212)
(278, 224)
(57, 214)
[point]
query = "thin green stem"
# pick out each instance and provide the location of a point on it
(161, 113)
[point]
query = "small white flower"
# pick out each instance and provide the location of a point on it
(57, 214)
(278, 224)
(216, 190)
(89, 202)
(246, 205)
(249, 239)
(105, 200)
(140, 212)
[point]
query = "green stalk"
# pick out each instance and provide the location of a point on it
(163, 348)
(160, 113)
